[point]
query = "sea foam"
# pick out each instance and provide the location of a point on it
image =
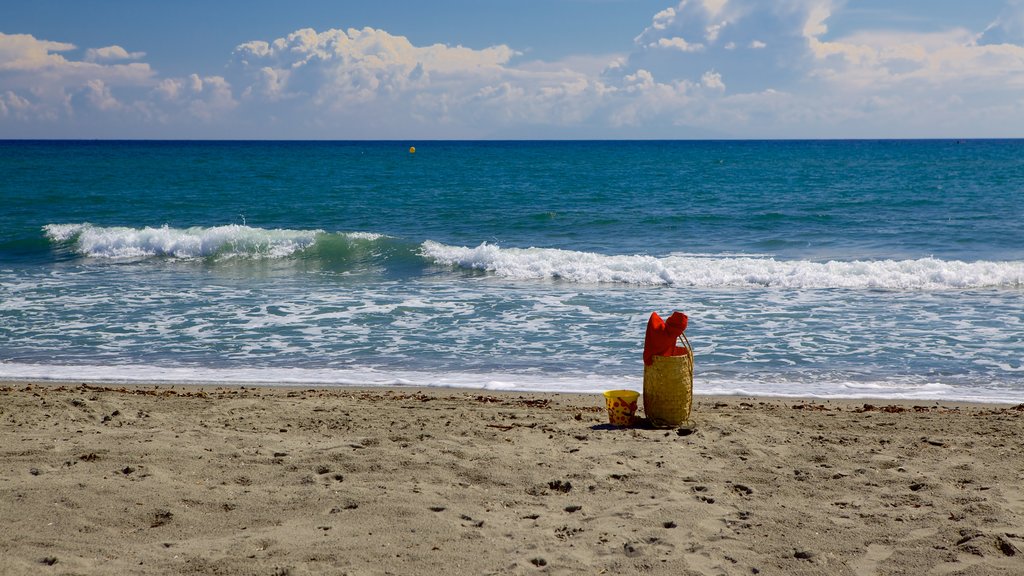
(715, 271)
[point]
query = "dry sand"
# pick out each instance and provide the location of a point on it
(277, 481)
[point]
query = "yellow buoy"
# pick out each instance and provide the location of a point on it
(412, 149)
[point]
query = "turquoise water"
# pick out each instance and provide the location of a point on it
(833, 269)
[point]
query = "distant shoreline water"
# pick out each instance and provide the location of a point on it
(844, 269)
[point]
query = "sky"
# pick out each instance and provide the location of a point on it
(519, 69)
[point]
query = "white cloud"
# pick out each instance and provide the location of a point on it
(204, 98)
(1008, 27)
(714, 7)
(45, 85)
(677, 43)
(713, 30)
(881, 58)
(25, 60)
(100, 97)
(13, 105)
(727, 67)
(25, 52)
(712, 79)
(662, 19)
(111, 53)
(356, 77)
(808, 81)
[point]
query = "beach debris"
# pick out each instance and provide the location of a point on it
(437, 508)
(349, 505)
(161, 517)
(630, 550)
(811, 407)
(803, 554)
(573, 508)
(473, 523)
(566, 532)
(563, 486)
(669, 524)
(742, 490)
(49, 560)
(539, 562)
(1005, 546)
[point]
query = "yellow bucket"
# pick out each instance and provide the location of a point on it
(621, 406)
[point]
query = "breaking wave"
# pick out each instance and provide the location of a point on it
(234, 242)
(714, 271)
(218, 242)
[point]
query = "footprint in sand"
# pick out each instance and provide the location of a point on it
(867, 565)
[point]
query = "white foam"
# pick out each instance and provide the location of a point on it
(727, 271)
(186, 243)
(371, 236)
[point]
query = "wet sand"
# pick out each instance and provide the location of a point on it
(286, 481)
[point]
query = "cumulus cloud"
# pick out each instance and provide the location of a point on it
(109, 53)
(775, 69)
(707, 67)
(677, 43)
(45, 84)
(25, 59)
(359, 76)
(885, 58)
(25, 52)
(98, 94)
(203, 97)
(731, 36)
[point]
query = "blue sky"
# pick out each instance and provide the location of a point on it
(472, 69)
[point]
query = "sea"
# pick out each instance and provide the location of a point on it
(824, 269)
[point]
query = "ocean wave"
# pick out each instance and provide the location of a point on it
(713, 271)
(217, 242)
(345, 250)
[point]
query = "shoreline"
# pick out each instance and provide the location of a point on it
(471, 385)
(233, 479)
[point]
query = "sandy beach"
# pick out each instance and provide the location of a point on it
(107, 479)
